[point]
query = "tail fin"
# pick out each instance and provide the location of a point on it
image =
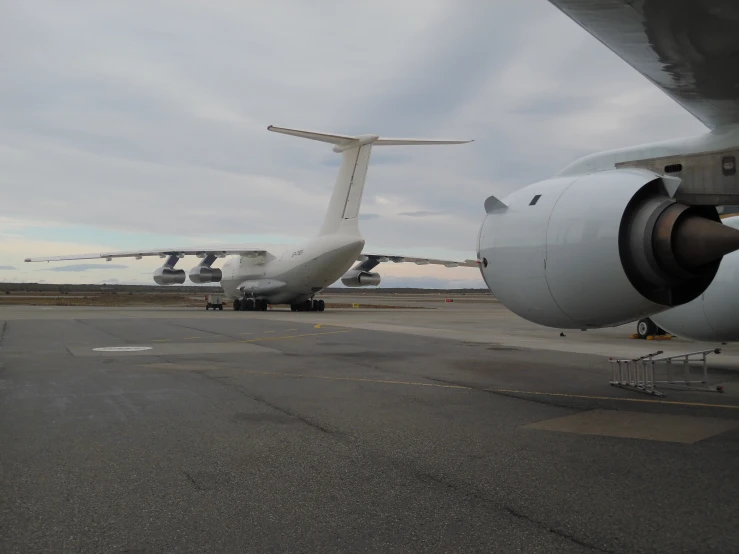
(343, 208)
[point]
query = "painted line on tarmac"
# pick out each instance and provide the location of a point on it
(190, 338)
(359, 379)
(618, 399)
(501, 391)
(285, 337)
(160, 340)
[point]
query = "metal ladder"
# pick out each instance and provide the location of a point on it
(639, 374)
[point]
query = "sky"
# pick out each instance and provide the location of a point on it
(138, 124)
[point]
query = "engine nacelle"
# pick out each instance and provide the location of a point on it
(599, 250)
(356, 278)
(204, 274)
(713, 315)
(169, 276)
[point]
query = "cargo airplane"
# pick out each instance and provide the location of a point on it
(254, 277)
(632, 233)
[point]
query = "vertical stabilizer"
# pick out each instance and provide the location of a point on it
(343, 208)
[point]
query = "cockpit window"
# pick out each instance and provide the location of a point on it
(534, 200)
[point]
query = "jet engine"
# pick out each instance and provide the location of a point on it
(713, 315)
(166, 275)
(356, 278)
(601, 249)
(204, 274)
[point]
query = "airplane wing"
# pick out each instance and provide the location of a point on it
(369, 261)
(689, 49)
(201, 252)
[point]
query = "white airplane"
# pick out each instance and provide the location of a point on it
(626, 234)
(255, 277)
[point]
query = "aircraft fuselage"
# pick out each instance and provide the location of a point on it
(294, 275)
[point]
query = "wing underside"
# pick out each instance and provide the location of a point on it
(688, 48)
(369, 261)
(201, 252)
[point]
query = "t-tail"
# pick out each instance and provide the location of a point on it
(343, 208)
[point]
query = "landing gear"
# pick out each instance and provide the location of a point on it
(648, 328)
(251, 304)
(308, 306)
(645, 327)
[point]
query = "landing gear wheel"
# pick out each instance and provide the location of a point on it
(237, 305)
(321, 305)
(645, 327)
(307, 305)
(314, 306)
(293, 308)
(220, 308)
(207, 307)
(247, 305)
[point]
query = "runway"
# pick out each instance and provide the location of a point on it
(451, 427)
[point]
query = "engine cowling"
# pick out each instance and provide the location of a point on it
(204, 274)
(355, 278)
(600, 249)
(169, 276)
(713, 315)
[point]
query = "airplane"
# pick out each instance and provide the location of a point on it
(633, 233)
(255, 277)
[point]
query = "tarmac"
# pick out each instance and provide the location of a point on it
(432, 427)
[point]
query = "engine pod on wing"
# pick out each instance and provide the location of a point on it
(586, 251)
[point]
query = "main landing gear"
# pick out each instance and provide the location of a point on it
(251, 305)
(308, 306)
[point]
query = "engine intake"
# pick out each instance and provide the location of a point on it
(356, 278)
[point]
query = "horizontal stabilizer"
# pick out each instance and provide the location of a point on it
(345, 142)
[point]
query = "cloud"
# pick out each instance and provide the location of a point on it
(419, 213)
(174, 111)
(85, 267)
(7, 267)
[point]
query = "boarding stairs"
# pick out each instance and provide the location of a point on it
(646, 373)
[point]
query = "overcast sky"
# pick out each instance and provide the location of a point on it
(143, 124)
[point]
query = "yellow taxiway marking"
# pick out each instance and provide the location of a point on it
(502, 391)
(269, 332)
(318, 326)
(159, 340)
(297, 336)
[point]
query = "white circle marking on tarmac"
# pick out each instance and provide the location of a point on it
(122, 348)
